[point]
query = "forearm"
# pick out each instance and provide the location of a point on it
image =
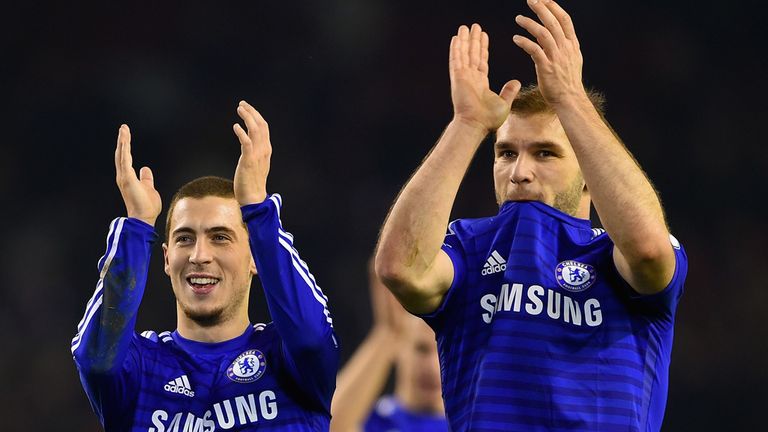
(105, 331)
(297, 305)
(362, 379)
(415, 228)
(624, 198)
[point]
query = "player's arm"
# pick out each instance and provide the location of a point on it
(101, 346)
(363, 377)
(409, 257)
(627, 203)
(297, 305)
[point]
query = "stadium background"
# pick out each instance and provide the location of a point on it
(355, 94)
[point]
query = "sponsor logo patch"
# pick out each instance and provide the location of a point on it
(247, 367)
(575, 276)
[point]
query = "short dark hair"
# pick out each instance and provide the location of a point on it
(200, 188)
(530, 101)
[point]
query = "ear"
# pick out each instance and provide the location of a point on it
(166, 265)
(252, 267)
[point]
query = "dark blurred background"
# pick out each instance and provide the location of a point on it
(356, 92)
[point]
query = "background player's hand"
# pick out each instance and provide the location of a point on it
(388, 314)
(473, 101)
(255, 152)
(555, 53)
(141, 199)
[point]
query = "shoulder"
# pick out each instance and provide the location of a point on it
(150, 340)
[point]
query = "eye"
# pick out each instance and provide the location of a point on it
(507, 154)
(182, 239)
(545, 154)
(221, 238)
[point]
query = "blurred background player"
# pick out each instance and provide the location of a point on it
(400, 340)
(216, 371)
(543, 323)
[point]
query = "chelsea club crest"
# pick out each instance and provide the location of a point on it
(575, 276)
(247, 367)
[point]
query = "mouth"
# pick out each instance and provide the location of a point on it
(202, 284)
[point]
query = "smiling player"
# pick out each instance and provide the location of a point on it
(216, 370)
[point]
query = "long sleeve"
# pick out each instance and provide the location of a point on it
(298, 307)
(104, 335)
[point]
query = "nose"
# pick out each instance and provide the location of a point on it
(201, 253)
(522, 172)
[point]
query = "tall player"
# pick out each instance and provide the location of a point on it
(216, 371)
(407, 343)
(543, 322)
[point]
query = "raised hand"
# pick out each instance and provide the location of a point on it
(255, 152)
(474, 102)
(557, 55)
(141, 199)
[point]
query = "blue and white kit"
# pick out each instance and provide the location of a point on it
(275, 376)
(539, 332)
(390, 415)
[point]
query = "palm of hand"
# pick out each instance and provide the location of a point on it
(475, 102)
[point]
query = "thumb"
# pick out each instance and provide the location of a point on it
(509, 91)
(145, 175)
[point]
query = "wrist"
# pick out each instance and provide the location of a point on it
(146, 220)
(256, 198)
(469, 127)
(577, 100)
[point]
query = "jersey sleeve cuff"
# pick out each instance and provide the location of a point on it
(251, 211)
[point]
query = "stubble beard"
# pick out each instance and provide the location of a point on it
(205, 317)
(567, 201)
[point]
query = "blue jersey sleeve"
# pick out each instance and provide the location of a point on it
(453, 247)
(102, 347)
(298, 307)
(665, 302)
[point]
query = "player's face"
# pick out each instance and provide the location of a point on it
(420, 364)
(534, 161)
(209, 260)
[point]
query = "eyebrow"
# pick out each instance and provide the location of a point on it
(536, 145)
(216, 229)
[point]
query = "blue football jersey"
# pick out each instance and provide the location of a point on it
(276, 376)
(539, 332)
(390, 416)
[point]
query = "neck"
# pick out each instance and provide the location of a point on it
(219, 332)
(411, 399)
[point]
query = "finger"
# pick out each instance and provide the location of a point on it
(453, 56)
(242, 136)
(247, 116)
(464, 45)
(261, 123)
(548, 19)
(510, 90)
(125, 158)
(542, 35)
(475, 35)
(532, 48)
(119, 150)
(146, 176)
(565, 21)
(484, 53)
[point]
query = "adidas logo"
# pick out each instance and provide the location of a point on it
(494, 264)
(180, 385)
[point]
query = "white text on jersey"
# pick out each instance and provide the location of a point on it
(246, 411)
(559, 306)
